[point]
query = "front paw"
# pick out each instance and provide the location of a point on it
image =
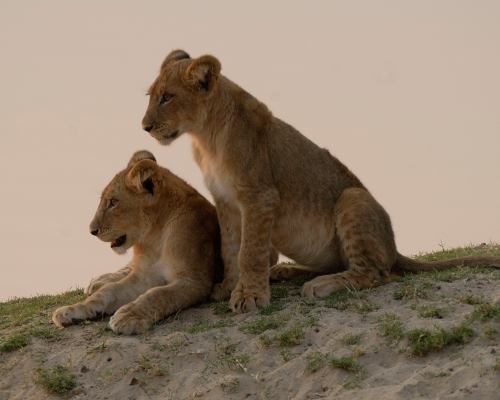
(128, 321)
(246, 299)
(68, 315)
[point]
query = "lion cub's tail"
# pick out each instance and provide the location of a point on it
(408, 264)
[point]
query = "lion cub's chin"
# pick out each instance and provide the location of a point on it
(165, 141)
(119, 250)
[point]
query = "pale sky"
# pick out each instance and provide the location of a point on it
(405, 93)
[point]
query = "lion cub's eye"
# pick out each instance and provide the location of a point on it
(166, 98)
(111, 203)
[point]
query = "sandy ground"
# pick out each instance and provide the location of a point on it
(208, 353)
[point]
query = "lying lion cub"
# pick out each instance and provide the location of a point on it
(274, 188)
(175, 238)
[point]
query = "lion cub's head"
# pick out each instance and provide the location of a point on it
(123, 216)
(178, 96)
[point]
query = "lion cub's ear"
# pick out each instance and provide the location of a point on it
(203, 72)
(141, 155)
(175, 55)
(142, 177)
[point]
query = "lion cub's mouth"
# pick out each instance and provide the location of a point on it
(119, 241)
(171, 135)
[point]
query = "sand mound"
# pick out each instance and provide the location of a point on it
(429, 336)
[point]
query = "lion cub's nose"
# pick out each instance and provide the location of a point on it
(147, 128)
(94, 232)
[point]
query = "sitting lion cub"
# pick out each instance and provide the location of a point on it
(175, 238)
(274, 189)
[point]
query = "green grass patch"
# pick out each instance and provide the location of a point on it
(261, 324)
(49, 333)
(496, 364)
(287, 338)
(430, 311)
(422, 341)
(364, 307)
(311, 320)
(58, 380)
(265, 340)
(220, 307)
(351, 339)
(314, 362)
(151, 367)
(490, 332)
(391, 327)
(465, 251)
(348, 364)
(22, 337)
(290, 337)
(279, 291)
(485, 312)
(229, 358)
(461, 272)
(471, 299)
(347, 299)
(412, 288)
(275, 306)
(14, 342)
(286, 354)
(20, 311)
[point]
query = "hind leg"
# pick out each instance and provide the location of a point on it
(367, 243)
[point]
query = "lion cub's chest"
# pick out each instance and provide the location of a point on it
(216, 179)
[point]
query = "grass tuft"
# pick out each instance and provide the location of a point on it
(413, 287)
(261, 324)
(14, 342)
(348, 364)
(342, 300)
(471, 299)
(391, 327)
(290, 337)
(429, 311)
(422, 341)
(496, 364)
(314, 362)
(221, 307)
(490, 332)
(151, 367)
(485, 312)
(275, 306)
(57, 380)
(351, 339)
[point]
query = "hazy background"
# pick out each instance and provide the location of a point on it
(406, 93)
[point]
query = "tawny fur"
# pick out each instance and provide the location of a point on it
(174, 234)
(274, 188)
